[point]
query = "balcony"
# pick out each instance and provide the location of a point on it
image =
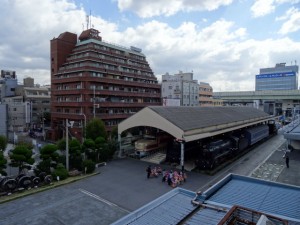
(103, 104)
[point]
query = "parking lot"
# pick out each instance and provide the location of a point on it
(121, 187)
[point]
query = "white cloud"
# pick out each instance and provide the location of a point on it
(293, 21)
(146, 8)
(220, 53)
(26, 29)
(262, 7)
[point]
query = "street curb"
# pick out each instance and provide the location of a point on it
(55, 184)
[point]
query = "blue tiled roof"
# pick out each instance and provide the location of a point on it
(274, 198)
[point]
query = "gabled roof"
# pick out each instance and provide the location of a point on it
(192, 123)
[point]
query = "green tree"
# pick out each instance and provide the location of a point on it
(95, 128)
(89, 148)
(114, 133)
(60, 172)
(3, 143)
(49, 156)
(75, 155)
(88, 166)
(61, 144)
(3, 162)
(21, 155)
(100, 145)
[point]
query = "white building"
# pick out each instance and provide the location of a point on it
(181, 86)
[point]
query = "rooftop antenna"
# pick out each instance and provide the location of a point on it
(90, 18)
(87, 21)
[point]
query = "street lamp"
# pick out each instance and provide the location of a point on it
(84, 127)
(43, 123)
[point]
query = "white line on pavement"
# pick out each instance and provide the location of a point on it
(101, 199)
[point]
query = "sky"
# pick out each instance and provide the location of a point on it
(223, 42)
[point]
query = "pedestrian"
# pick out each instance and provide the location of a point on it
(287, 160)
(148, 170)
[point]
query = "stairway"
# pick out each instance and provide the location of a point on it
(156, 158)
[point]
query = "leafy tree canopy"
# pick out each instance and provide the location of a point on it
(3, 162)
(21, 155)
(49, 151)
(3, 143)
(95, 128)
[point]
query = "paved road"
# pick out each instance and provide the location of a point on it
(121, 187)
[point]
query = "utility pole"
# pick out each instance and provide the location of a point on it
(67, 145)
(94, 112)
(84, 127)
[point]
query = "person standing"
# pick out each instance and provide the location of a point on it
(287, 160)
(148, 171)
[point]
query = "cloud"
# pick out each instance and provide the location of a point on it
(146, 9)
(220, 53)
(292, 24)
(262, 8)
(26, 29)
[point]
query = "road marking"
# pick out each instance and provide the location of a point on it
(101, 199)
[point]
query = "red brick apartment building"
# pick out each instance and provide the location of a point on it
(92, 78)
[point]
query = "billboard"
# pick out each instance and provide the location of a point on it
(171, 102)
(275, 75)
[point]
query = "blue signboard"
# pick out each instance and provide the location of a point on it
(275, 75)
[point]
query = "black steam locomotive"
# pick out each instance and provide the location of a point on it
(211, 152)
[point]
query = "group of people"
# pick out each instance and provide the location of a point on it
(172, 178)
(155, 172)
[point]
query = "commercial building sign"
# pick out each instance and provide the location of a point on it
(275, 75)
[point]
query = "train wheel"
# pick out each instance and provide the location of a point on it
(25, 182)
(48, 179)
(9, 185)
(36, 181)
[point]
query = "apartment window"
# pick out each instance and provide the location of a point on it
(170, 87)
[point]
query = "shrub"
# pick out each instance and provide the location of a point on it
(89, 165)
(60, 171)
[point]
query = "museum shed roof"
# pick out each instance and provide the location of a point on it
(192, 123)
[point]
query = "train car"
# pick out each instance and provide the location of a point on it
(221, 150)
(150, 143)
(174, 150)
(216, 152)
(256, 134)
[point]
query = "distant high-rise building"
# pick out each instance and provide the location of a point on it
(181, 86)
(92, 78)
(280, 77)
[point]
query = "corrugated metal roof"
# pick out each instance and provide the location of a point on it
(189, 118)
(274, 198)
(206, 216)
(170, 208)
